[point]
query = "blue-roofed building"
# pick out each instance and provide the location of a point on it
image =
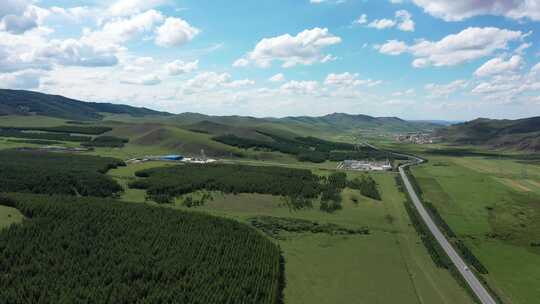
(172, 157)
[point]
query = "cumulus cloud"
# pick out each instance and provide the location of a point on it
(499, 65)
(239, 83)
(277, 78)
(457, 10)
(206, 81)
(536, 69)
(175, 32)
(405, 22)
(393, 47)
(147, 80)
(445, 90)
(381, 24)
(304, 48)
(18, 16)
(130, 7)
(242, 62)
(71, 52)
(28, 79)
(300, 87)
(178, 67)
(406, 93)
(120, 30)
(508, 87)
(469, 44)
(348, 80)
(363, 19)
(402, 21)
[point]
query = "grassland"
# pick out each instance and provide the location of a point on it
(324, 268)
(8, 216)
(493, 205)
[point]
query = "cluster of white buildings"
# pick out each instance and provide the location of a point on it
(365, 165)
(415, 138)
(172, 158)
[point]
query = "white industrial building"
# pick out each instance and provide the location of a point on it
(365, 165)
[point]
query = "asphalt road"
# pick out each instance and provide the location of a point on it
(479, 290)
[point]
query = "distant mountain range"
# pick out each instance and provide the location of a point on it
(330, 124)
(17, 102)
(520, 134)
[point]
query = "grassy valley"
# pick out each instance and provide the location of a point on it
(326, 235)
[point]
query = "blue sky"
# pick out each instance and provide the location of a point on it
(416, 59)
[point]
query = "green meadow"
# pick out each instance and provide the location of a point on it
(389, 265)
(493, 205)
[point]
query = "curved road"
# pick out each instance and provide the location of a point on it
(479, 290)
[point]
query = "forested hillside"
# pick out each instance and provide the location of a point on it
(17, 102)
(88, 250)
(57, 173)
(521, 134)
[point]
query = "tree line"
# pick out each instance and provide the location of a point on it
(91, 250)
(43, 136)
(308, 149)
(106, 141)
(300, 187)
(87, 130)
(170, 182)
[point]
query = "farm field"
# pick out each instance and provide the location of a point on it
(493, 205)
(322, 268)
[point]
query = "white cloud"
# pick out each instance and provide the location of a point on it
(536, 69)
(363, 19)
(469, 44)
(147, 80)
(392, 47)
(71, 52)
(406, 93)
(499, 65)
(175, 32)
(206, 81)
(402, 21)
(521, 49)
(405, 22)
(445, 90)
(239, 83)
(457, 10)
(300, 87)
(178, 67)
(242, 62)
(348, 80)
(28, 79)
(381, 24)
(304, 48)
(505, 88)
(277, 78)
(130, 7)
(121, 30)
(18, 16)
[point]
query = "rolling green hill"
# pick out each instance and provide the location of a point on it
(328, 125)
(152, 132)
(17, 102)
(521, 134)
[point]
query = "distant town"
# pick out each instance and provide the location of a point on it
(418, 138)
